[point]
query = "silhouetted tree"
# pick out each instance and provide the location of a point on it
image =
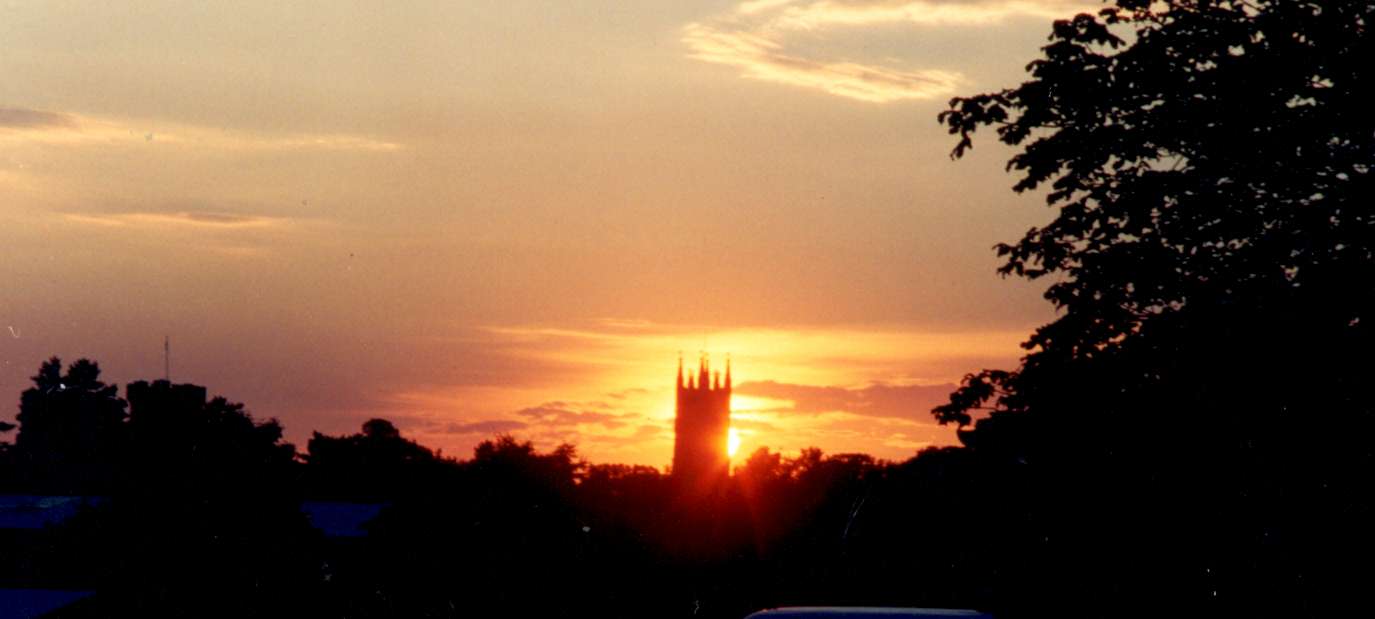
(474, 543)
(205, 507)
(70, 430)
(1213, 261)
(375, 464)
(7, 468)
(1224, 152)
(1219, 160)
(623, 495)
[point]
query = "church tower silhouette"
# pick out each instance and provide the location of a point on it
(701, 425)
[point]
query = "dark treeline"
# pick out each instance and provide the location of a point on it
(200, 516)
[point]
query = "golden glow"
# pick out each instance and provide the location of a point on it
(637, 354)
(614, 382)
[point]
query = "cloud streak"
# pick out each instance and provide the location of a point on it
(215, 221)
(565, 414)
(805, 15)
(912, 402)
(643, 353)
(760, 57)
(491, 427)
(754, 38)
(22, 118)
(28, 126)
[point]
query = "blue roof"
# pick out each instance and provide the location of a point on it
(340, 519)
(26, 511)
(26, 603)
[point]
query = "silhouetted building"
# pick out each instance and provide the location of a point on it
(701, 426)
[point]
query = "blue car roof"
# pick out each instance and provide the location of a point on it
(864, 612)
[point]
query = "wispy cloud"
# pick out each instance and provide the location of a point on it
(28, 126)
(755, 38)
(761, 57)
(563, 414)
(804, 14)
(642, 353)
(220, 221)
(643, 433)
(229, 235)
(22, 118)
(486, 428)
(879, 399)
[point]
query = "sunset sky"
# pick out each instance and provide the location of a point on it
(509, 216)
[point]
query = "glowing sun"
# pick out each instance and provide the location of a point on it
(732, 442)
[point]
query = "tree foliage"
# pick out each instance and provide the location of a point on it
(377, 463)
(1201, 154)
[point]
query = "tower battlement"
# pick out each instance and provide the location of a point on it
(701, 424)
